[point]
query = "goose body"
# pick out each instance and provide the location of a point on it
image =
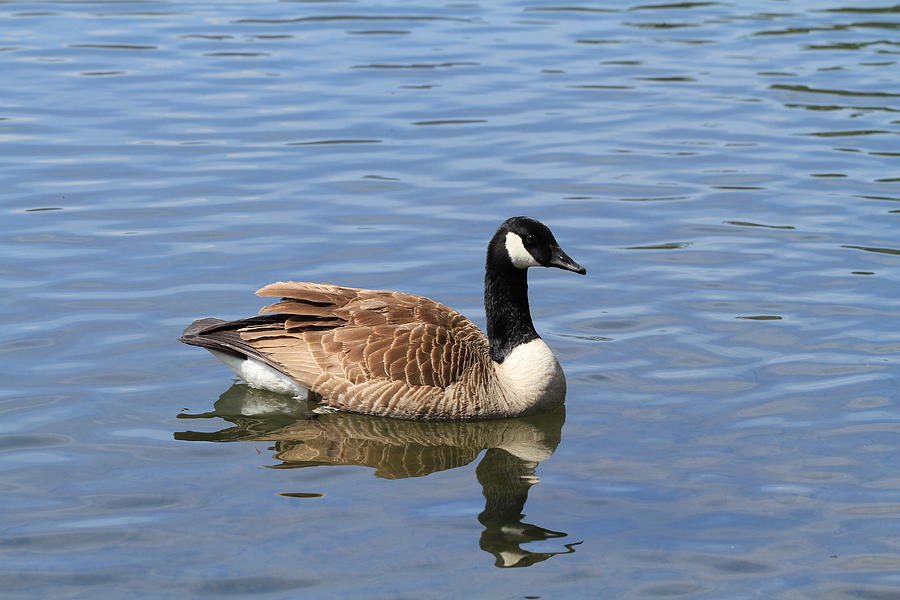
(388, 353)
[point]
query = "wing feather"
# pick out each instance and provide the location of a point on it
(362, 350)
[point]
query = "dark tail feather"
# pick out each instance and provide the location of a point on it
(224, 336)
(216, 334)
(203, 333)
(199, 326)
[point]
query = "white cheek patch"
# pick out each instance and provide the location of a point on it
(518, 255)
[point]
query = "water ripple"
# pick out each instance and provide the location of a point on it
(726, 172)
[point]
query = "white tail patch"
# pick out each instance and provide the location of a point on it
(258, 374)
(518, 254)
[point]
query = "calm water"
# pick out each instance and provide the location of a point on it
(727, 171)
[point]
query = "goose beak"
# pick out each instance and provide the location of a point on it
(561, 260)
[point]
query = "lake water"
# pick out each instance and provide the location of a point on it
(727, 172)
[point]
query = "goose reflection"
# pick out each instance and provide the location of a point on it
(400, 449)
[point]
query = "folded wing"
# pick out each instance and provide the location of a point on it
(371, 351)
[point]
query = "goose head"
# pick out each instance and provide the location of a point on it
(524, 242)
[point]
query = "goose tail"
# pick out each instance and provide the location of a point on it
(224, 342)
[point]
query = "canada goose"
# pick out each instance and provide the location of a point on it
(388, 353)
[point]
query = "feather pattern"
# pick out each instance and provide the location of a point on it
(371, 351)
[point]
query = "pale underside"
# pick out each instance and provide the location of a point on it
(393, 354)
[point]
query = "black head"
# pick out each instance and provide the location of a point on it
(529, 243)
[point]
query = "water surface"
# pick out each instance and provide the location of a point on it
(727, 173)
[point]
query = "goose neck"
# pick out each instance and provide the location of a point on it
(506, 309)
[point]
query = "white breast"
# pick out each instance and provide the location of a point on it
(531, 378)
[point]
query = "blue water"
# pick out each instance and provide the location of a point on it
(727, 172)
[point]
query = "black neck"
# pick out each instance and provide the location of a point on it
(506, 305)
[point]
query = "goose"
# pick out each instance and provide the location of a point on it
(392, 354)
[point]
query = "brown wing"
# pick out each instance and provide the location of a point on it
(348, 343)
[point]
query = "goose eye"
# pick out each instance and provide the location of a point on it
(529, 239)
